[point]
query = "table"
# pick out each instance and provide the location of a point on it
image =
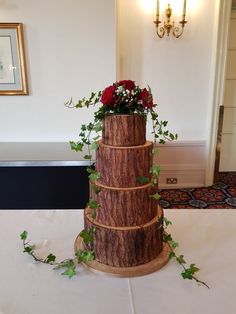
(206, 237)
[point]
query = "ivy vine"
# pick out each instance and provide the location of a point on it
(68, 265)
(188, 271)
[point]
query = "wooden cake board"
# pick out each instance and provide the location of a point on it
(160, 261)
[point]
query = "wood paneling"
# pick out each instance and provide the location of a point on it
(231, 65)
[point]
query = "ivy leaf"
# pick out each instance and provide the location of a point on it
(93, 204)
(70, 269)
(24, 235)
(83, 127)
(88, 157)
(50, 258)
(98, 127)
(161, 141)
(93, 214)
(29, 249)
(96, 138)
(84, 256)
(166, 221)
(193, 268)
(187, 274)
(155, 171)
(95, 188)
(156, 196)
(167, 237)
(79, 103)
(94, 146)
(76, 146)
(174, 244)
(171, 255)
(180, 259)
(142, 180)
(87, 235)
(94, 176)
(164, 123)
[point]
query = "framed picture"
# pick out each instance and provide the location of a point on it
(13, 78)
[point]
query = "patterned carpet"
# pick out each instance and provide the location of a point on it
(220, 195)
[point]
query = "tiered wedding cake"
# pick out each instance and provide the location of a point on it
(128, 222)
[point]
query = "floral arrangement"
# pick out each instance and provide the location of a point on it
(122, 97)
(125, 97)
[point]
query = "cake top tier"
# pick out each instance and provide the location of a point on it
(124, 130)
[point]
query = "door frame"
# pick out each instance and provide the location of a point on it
(223, 13)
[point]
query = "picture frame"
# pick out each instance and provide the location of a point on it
(13, 75)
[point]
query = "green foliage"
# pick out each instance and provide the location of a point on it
(29, 249)
(50, 258)
(93, 204)
(69, 265)
(166, 222)
(24, 235)
(70, 269)
(180, 259)
(155, 171)
(87, 235)
(156, 196)
(172, 255)
(78, 147)
(84, 256)
(159, 130)
(93, 174)
(94, 146)
(188, 272)
(143, 180)
(95, 188)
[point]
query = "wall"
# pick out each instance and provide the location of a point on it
(68, 45)
(71, 50)
(180, 73)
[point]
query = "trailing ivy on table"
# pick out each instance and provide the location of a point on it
(69, 265)
(188, 271)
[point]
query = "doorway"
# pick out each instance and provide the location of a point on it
(225, 160)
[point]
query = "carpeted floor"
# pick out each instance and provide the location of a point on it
(220, 195)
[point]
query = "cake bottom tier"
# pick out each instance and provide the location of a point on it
(126, 246)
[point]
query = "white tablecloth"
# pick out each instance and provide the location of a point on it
(206, 237)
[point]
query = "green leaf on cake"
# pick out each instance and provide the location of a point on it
(156, 196)
(87, 235)
(155, 171)
(143, 180)
(84, 256)
(93, 204)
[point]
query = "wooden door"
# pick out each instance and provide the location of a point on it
(228, 144)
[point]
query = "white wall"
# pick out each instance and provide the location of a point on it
(181, 75)
(179, 71)
(70, 51)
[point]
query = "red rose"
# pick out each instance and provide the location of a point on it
(107, 95)
(146, 97)
(128, 84)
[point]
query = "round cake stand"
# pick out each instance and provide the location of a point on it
(141, 270)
